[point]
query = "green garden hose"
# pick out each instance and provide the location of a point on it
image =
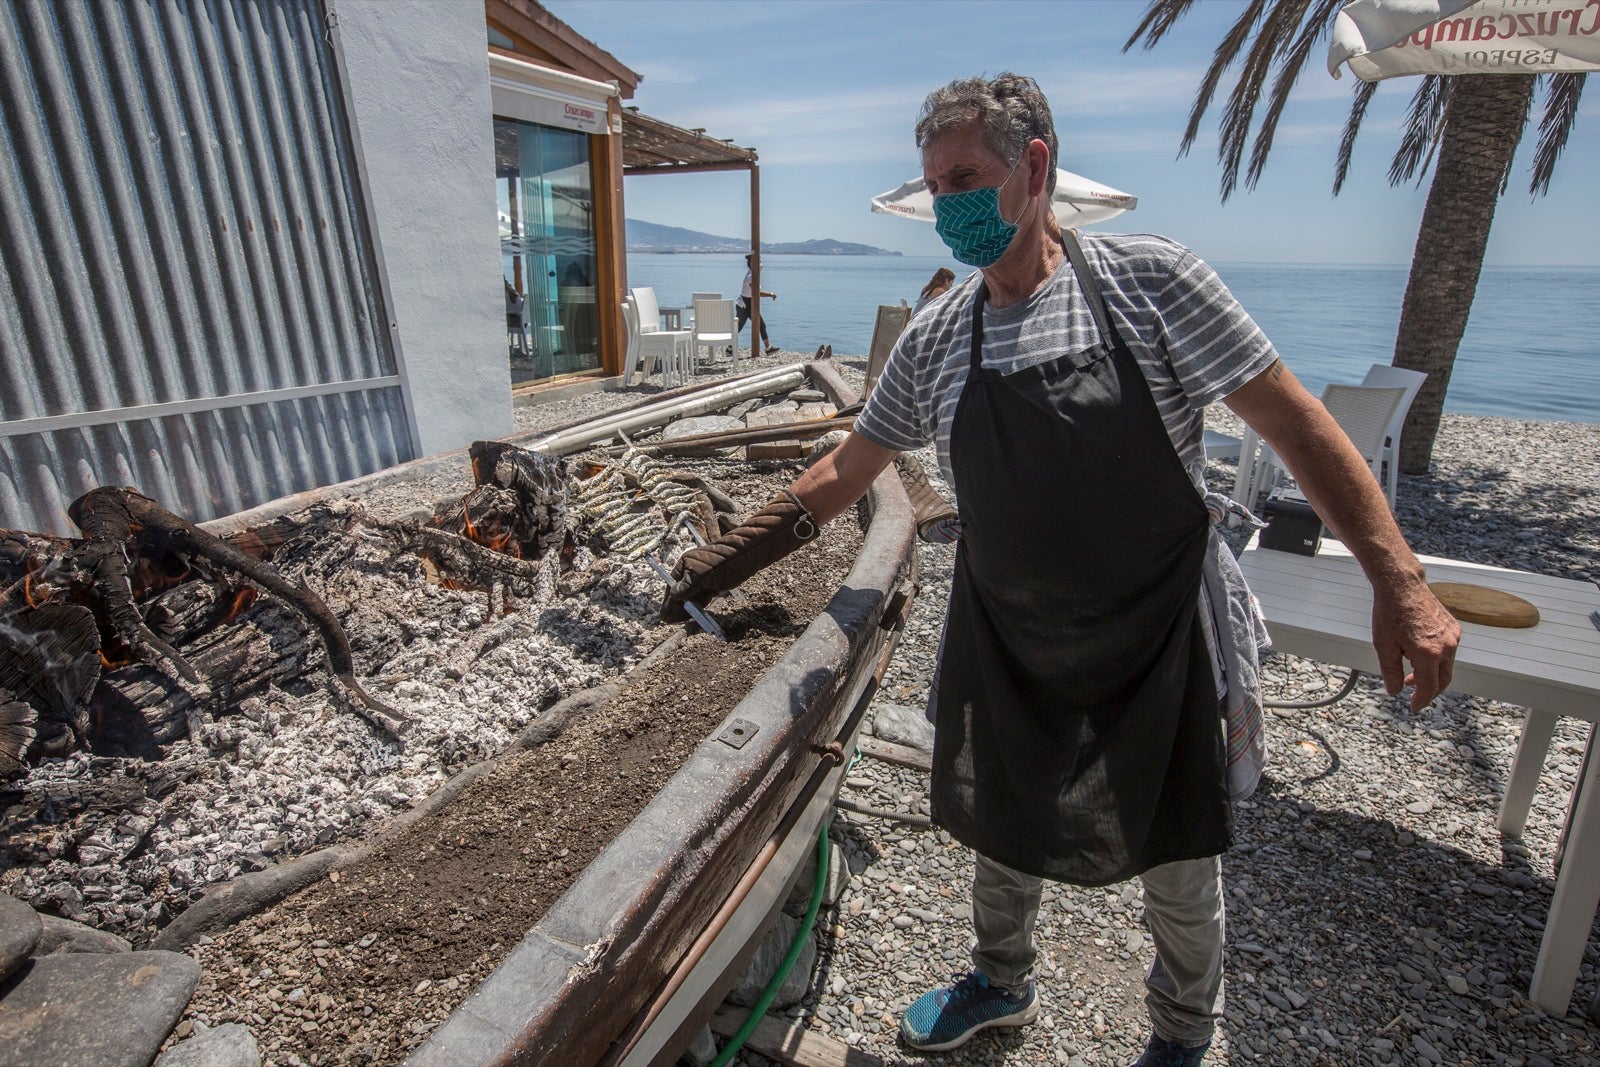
(767, 995)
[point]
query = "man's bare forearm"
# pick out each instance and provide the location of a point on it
(841, 477)
(1331, 473)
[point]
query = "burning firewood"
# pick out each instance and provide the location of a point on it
(539, 485)
(458, 554)
(130, 548)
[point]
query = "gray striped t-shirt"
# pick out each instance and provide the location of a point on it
(1193, 341)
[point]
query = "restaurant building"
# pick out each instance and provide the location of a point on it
(248, 248)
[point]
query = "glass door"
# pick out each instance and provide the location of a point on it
(547, 243)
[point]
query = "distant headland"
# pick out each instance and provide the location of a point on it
(651, 237)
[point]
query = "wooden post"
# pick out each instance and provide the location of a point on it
(755, 263)
(611, 247)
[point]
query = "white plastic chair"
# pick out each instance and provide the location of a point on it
(1383, 375)
(633, 355)
(671, 346)
(715, 328)
(698, 296)
(1362, 412)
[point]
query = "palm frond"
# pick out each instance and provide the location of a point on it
(1237, 37)
(1560, 112)
(1313, 28)
(1424, 128)
(1158, 18)
(1234, 130)
(1352, 126)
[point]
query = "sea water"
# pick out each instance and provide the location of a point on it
(1531, 349)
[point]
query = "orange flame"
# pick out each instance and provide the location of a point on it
(45, 592)
(112, 664)
(241, 600)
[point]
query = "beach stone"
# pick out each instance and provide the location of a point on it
(228, 1045)
(20, 930)
(782, 411)
(903, 725)
(764, 964)
(838, 881)
(702, 424)
(701, 1051)
(107, 1009)
(64, 935)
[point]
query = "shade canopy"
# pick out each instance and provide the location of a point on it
(1394, 38)
(1077, 200)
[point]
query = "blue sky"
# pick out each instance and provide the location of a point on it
(828, 90)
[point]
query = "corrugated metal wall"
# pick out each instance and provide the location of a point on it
(188, 297)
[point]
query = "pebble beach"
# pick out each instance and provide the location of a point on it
(1376, 915)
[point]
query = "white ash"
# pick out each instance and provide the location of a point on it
(285, 772)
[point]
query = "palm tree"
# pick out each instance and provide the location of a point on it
(1467, 128)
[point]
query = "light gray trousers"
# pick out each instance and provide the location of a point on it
(1183, 907)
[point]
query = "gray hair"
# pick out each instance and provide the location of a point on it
(1011, 107)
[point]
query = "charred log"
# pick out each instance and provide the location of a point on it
(17, 719)
(50, 661)
(106, 517)
(105, 514)
(462, 556)
(138, 709)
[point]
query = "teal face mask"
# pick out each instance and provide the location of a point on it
(971, 226)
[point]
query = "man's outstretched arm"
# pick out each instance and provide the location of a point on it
(786, 522)
(1408, 622)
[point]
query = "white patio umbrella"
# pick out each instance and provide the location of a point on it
(1394, 38)
(1077, 200)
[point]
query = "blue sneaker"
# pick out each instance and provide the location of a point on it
(1160, 1053)
(946, 1018)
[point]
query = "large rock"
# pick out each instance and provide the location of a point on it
(20, 931)
(764, 964)
(903, 725)
(228, 1045)
(838, 879)
(111, 1010)
(64, 935)
(701, 1051)
(699, 424)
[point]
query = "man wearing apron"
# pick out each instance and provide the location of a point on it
(1091, 642)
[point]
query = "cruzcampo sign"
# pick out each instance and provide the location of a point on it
(1393, 38)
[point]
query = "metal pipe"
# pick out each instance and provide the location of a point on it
(697, 403)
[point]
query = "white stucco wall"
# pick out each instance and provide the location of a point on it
(418, 82)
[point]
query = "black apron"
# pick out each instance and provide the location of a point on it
(1078, 734)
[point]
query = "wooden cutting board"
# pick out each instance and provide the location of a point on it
(1477, 603)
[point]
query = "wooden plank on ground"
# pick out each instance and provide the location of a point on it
(790, 1043)
(889, 752)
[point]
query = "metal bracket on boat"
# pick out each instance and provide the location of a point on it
(737, 732)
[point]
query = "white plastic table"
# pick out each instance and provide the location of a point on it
(1320, 607)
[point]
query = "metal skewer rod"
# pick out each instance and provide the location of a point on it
(707, 623)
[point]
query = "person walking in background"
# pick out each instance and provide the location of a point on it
(937, 286)
(743, 307)
(1096, 702)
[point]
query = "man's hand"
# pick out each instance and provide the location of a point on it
(779, 528)
(1414, 626)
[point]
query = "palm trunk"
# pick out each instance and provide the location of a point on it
(1483, 123)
